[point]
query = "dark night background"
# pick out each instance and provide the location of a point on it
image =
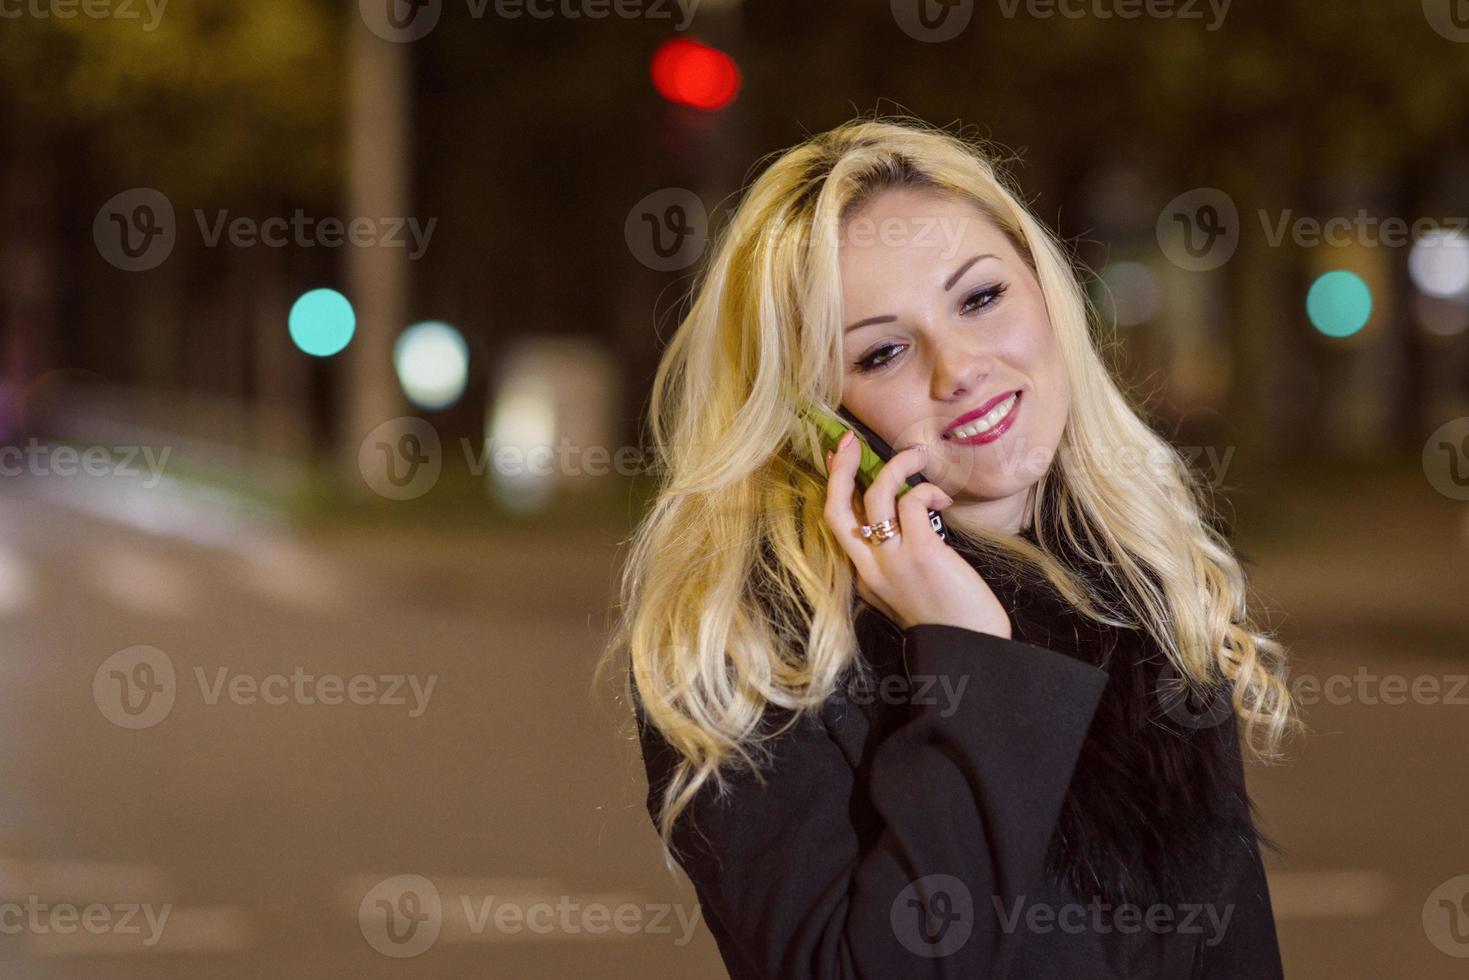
(272, 540)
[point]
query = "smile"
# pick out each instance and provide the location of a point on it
(991, 426)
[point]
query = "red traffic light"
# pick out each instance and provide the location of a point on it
(694, 74)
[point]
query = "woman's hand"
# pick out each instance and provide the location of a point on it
(914, 577)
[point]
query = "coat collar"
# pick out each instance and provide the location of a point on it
(1151, 800)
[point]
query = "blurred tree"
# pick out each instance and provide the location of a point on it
(220, 105)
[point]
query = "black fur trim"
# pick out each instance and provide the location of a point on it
(1157, 787)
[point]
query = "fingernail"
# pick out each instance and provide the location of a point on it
(847, 437)
(922, 447)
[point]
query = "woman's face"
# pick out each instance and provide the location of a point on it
(945, 322)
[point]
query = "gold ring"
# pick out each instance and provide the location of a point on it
(881, 531)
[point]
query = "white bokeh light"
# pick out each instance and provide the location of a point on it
(1439, 263)
(432, 362)
(1132, 291)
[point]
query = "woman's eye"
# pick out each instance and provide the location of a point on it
(872, 363)
(981, 298)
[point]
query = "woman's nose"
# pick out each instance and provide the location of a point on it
(957, 369)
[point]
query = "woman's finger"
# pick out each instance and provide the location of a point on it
(840, 510)
(880, 497)
(913, 508)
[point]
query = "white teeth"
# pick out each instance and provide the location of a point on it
(988, 422)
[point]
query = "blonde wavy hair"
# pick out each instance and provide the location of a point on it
(737, 596)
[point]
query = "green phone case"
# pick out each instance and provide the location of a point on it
(830, 429)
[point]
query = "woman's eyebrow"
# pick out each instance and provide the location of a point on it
(889, 318)
(963, 269)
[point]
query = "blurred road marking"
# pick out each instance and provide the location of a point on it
(82, 881)
(17, 586)
(143, 583)
(293, 574)
(276, 567)
(203, 514)
(1336, 894)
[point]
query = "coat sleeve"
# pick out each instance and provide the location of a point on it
(1247, 944)
(967, 793)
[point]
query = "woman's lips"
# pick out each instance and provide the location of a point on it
(999, 428)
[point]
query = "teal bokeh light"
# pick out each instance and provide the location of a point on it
(322, 322)
(1339, 303)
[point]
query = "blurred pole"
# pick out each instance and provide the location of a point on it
(728, 153)
(1268, 408)
(706, 152)
(377, 276)
(280, 382)
(27, 254)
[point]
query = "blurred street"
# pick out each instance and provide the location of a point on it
(263, 827)
(338, 344)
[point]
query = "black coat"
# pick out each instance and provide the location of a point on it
(986, 807)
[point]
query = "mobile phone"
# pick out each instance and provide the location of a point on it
(875, 452)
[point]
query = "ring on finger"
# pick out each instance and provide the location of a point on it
(881, 531)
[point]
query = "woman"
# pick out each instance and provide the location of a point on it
(879, 753)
